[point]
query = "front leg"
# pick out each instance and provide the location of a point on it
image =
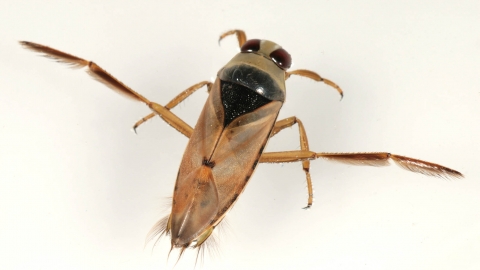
(314, 76)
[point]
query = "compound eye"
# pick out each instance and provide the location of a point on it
(282, 58)
(251, 45)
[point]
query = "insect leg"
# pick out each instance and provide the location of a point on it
(242, 38)
(369, 159)
(314, 76)
(104, 77)
(288, 122)
(175, 101)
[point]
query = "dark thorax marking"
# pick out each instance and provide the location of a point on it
(238, 100)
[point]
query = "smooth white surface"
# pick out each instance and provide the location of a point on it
(80, 190)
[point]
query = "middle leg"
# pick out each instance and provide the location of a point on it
(288, 122)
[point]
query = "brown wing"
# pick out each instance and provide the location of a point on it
(238, 151)
(194, 206)
(205, 136)
(188, 220)
(216, 166)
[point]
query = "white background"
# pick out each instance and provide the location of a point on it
(79, 190)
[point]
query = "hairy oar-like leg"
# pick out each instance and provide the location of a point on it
(175, 101)
(369, 159)
(314, 76)
(288, 122)
(241, 36)
(104, 77)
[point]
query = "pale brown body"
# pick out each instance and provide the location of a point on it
(217, 164)
(221, 156)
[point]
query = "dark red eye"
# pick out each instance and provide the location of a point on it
(282, 58)
(251, 45)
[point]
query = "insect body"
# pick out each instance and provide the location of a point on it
(227, 143)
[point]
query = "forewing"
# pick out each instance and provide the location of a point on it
(195, 205)
(195, 198)
(238, 151)
(205, 136)
(216, 165)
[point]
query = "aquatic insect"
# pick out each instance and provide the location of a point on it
(227, 143)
